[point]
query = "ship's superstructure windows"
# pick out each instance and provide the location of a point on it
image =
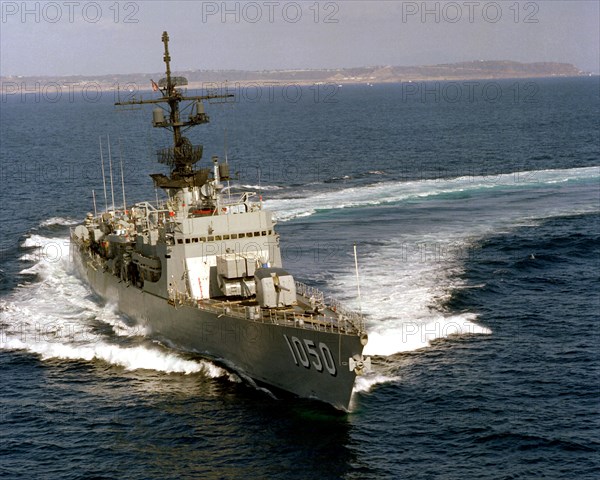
(218, 238)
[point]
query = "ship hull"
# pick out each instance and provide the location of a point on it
(305, 362)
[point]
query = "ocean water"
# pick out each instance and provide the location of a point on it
(477, 227)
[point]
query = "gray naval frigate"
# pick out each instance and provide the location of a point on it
(202, 270)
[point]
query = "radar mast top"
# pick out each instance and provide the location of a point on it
(182, 156)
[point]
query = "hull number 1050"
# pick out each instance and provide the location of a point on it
(306, 353)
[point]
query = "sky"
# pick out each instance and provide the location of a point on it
(78, 37)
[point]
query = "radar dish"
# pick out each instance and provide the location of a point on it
(205, 190)
(176, 81)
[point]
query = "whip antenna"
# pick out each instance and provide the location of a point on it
(112, 191)
(122, 179)
(94, 198)
(358, 284)
(227, 162)
(103, 175)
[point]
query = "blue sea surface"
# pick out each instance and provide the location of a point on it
(477, 224)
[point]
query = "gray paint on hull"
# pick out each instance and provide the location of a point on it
(258, 350)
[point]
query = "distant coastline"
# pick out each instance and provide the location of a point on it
(464, 71)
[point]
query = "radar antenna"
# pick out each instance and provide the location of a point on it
(182, 155)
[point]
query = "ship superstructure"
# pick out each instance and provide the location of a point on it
(202, 271)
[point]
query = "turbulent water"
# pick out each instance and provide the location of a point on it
(477, 229)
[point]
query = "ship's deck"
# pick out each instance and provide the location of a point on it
(313, 310)
(326, 315)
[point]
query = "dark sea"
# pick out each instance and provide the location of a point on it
(476, 214)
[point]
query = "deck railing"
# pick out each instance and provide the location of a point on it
(340, 320)
(328, 314)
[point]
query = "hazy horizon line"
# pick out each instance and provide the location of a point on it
(306, 69)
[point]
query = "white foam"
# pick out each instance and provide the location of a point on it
(65, 336)
(39, 241)
(403, 303)
(131, 358)
(263, 188)
(56, 318)
(46, 253)
(364, 383)
(396, 191)
(58, 221)
(413, 335)
(406, 286)
(405, 283)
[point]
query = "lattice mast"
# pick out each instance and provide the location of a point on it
(182, 156)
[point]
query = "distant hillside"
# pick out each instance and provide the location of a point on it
(477, 70)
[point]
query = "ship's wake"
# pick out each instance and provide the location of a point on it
(404, 306)
(53, 314)
(396, 192)
(406, 296)
(409, 275)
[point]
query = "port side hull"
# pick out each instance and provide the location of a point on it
(305, 362)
